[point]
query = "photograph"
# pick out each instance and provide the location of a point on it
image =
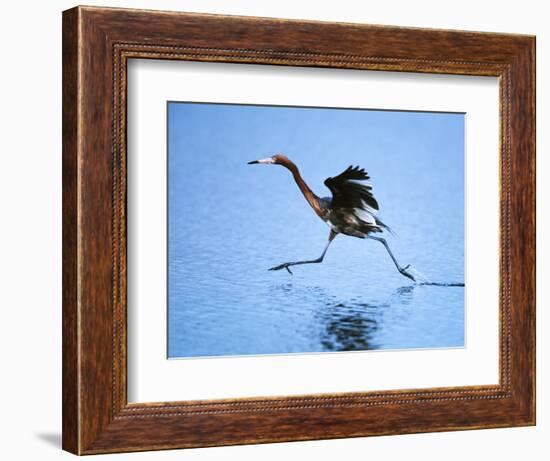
(300, 230)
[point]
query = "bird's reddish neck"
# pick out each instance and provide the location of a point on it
(311, 198)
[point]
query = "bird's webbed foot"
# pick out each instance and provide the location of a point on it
(282, 266)
(403, 271)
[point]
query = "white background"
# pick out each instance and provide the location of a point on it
(153, 378)
(30, 247)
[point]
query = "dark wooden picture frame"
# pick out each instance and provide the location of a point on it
(97, 44)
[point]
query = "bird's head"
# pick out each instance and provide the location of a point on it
(277, 159)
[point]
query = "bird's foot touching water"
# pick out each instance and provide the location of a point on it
(421, 280)
(403, 271)
(282, 266)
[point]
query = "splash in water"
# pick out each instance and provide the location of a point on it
(422, 280)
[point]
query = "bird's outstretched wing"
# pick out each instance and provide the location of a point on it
(348, 190)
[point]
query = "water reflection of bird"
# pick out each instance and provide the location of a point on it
(351, 211)
(352, 332)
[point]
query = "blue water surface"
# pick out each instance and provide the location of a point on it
(229, 222)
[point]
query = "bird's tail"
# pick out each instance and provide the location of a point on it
(384, 226)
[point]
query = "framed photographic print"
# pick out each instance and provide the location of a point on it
(284, 230)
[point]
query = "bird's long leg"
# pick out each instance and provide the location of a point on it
(312, 261)
(402, 270)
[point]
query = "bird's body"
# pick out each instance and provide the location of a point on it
(356, 223)
(351, 210)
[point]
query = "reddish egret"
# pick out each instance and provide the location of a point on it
(351, 211)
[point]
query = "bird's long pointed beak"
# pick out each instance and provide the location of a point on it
(267, 161)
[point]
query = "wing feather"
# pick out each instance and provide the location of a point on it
(351, 189)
